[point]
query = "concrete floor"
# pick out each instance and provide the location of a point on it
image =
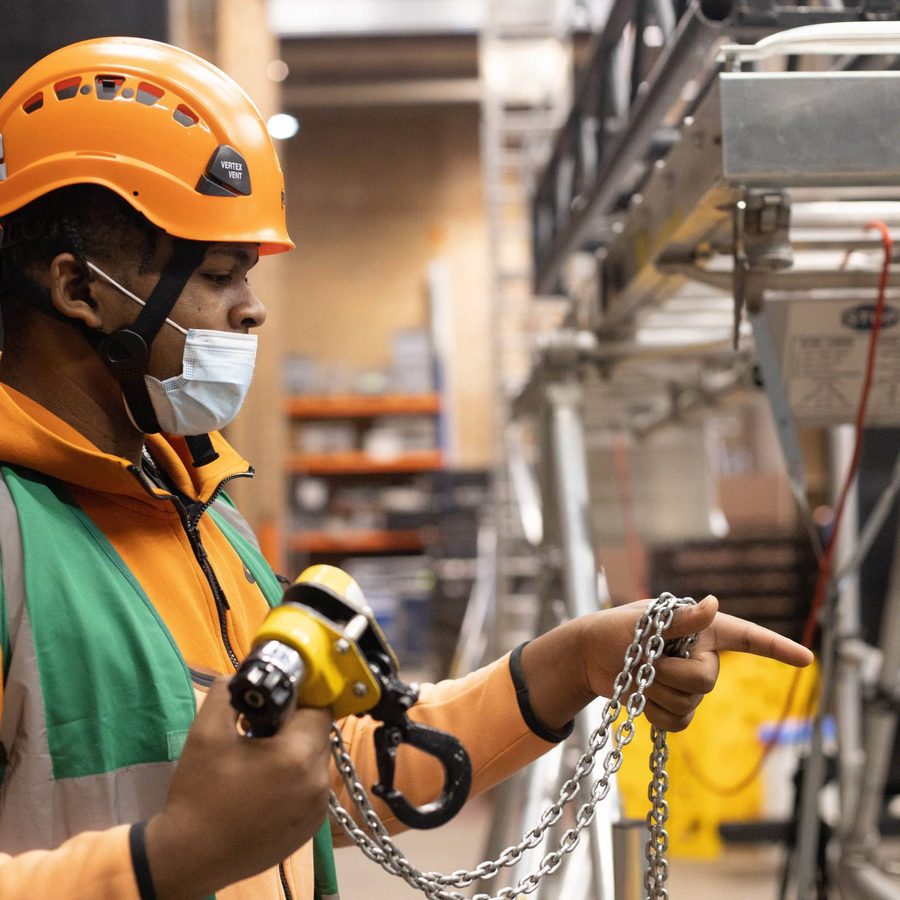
(741, 874)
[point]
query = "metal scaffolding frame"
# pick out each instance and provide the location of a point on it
(667, 193)
(628, 109)
(519, 120)
(657, 203)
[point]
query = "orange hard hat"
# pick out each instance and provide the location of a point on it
(170, 133)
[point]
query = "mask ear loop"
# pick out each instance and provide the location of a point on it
(126, 352)
(200, 445)
(119, 287)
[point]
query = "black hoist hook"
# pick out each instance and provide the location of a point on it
(323, 647)
(396, 699)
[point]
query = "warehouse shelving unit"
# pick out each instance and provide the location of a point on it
(354, 541)
(350, 406)
(389, 552)
(358, 462)
(359, 411)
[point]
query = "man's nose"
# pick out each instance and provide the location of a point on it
(250, 313)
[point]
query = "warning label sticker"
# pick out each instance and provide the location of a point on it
(825, 350)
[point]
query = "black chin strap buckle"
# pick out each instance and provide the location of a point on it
(202, 450)
(126, 352)
(126, 355)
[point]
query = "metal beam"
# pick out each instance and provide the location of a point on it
(691, 51)
(387, 93)
(600, 159)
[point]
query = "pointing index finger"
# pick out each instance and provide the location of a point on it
(731, 633)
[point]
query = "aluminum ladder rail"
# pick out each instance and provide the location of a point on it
(516, 131)
(516, 135)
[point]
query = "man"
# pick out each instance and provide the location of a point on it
(138, 188)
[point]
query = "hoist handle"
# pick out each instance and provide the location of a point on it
(448, 751)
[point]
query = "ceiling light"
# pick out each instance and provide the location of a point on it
(654, 36)
(283, 126)
(527, 71)
(277, 70)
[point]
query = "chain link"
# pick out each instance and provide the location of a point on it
(648, 644)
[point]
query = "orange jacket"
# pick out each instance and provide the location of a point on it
(481, 709)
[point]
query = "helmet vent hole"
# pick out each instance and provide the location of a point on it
(185, 116)
(148, 94)
(136, 193)
(107, 86)
(68, 88)
(34, 103)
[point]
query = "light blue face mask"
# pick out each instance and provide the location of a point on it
(217, 368)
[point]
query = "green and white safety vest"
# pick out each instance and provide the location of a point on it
(98, 699)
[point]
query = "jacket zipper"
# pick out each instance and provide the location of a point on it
(215, 494)
(221, 601)
(190, 525)
(214, 583)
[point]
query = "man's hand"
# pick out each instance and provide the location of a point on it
(568, 667)
(680, 684)
(238, 805)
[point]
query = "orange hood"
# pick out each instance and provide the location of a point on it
(34, 438)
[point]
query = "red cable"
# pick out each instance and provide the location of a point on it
(827, 558)
(745, 781)
(825, 564)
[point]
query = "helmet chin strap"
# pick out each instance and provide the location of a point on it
(126, 352)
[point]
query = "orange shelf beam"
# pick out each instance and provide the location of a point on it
(354, 462)
(348, 406)
(356, 541)
(269, 536)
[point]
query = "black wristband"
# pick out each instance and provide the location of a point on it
(139, 861)
(531, 720)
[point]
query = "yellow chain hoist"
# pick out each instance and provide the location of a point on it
(322, 647)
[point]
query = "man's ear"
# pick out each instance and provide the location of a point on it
(70, 291)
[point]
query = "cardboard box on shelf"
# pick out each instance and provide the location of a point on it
(412, 361)
(758, 501)
(324, 437)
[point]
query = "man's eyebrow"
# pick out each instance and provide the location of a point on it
(237, 253)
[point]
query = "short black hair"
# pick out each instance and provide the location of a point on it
(87, 220)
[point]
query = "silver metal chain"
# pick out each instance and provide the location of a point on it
(658, 839)
(648, 645)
